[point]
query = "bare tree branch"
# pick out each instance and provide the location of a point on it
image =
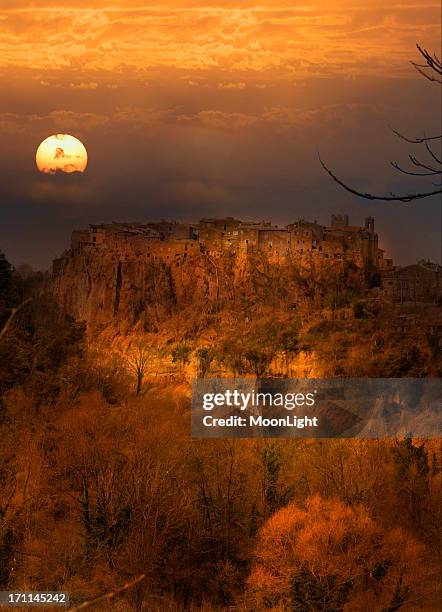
(397, 167)
(14, 311)
(369, 196)
(110, 595)
(416, 140)
(416, 162)
(432, 153)
(432, 63)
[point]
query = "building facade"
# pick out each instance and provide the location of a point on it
(421, 282)
(305, 242)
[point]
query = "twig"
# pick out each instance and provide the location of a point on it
(110, 595)
(419, 164)
(11, 316)
(397, 167)
(416, 140)
(369, 196)
(432, 153)
(432, 62)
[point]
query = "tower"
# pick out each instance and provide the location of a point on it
(369, 224)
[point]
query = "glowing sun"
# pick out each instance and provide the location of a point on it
(61, 153)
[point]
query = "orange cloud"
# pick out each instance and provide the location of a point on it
(289, 39)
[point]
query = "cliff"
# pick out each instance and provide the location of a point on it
(105, 288)
(187, 310)
(135, 274)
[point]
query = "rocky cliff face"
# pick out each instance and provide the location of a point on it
(103, 290)
(106, 287)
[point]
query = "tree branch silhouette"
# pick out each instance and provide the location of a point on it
(432, 62)
(433, 155)
(432, 70)
(411, 173)
(416, 140)
(370, 196)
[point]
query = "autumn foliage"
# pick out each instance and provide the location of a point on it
(100, 482)
(330, 556)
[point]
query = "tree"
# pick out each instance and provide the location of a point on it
(205, 356)
(327, 557)
(413, 481)
(181, 354)
(5, 277)
(275, 492)
(431, 69)
(137, 359)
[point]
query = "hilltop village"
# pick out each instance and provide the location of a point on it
(301, 241)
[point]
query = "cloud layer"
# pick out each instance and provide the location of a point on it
(291, 39)
(191, 108)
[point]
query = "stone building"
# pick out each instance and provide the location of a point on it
(421, 282)
(124, 269)
(303, 241)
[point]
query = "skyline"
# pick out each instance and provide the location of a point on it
(198, 109)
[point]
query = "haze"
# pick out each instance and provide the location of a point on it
(194, 109)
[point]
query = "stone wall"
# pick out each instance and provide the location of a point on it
(117, 271)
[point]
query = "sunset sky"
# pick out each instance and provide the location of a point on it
(191, 109)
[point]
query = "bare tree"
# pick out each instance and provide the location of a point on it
(137, 359)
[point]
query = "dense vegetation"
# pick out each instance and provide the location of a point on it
(100, 482)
